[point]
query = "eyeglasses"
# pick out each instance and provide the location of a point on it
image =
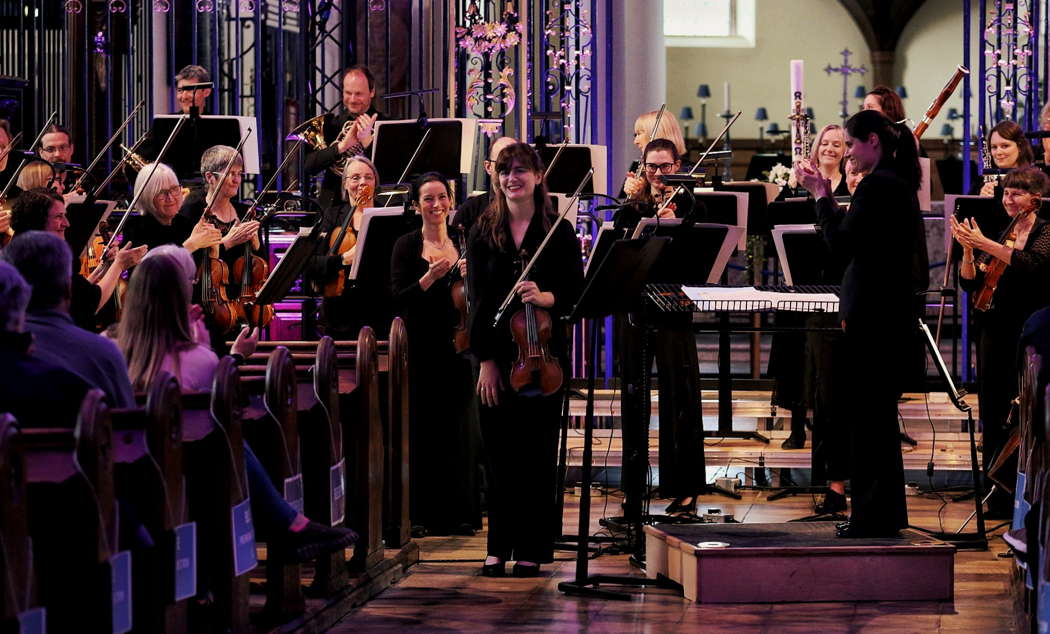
(51, 149)
(663, 168)
(357, 178)
(172, 193)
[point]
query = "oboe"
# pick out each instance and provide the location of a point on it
(986, 161)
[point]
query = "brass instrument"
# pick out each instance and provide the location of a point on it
(311, 132)
(133, 159)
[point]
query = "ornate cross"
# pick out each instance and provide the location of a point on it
(845, 70)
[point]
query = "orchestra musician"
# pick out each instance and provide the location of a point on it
(188, 98)
(1009, 150)
(885, 100)
(45, 210)
(668, 128)
(877, 307)
(56, 147)
(519, 428)
(444, 429)
(1021, 290)
(471, 208)
(673, 344)
(159, 221)
(358, 93)
(8, 164)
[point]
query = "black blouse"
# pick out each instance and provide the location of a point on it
(1022, 288)
(492, 271)
(146, 230)
(428, 313)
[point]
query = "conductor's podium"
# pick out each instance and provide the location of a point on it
(797, 561)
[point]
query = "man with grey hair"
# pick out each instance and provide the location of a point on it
(46, 263)
(469, 210)
(36, 392)
(186, 97)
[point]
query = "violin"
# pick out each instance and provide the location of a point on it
(535, 366)
(252, 271)
(458, 290)
(344, 239)
(214, 275)
(993, 267)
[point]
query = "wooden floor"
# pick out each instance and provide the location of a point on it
(444, 592)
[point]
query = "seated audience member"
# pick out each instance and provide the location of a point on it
(44, 210)
(38, 393)
(161, 331)
(44, 260)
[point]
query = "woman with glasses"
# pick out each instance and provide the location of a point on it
(648, 195)
(159, 222)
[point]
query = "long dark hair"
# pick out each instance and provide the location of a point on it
(496, 217)
(428, 177)
(891, 103)
(899, 151)
(1010, 131)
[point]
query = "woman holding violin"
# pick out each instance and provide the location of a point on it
(1020, 264)
(160, 199)
(522, 370)
(217, 288)
(343, 309)
(426, 267)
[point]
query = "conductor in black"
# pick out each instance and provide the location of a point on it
(877, 308)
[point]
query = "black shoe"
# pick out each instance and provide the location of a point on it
(418, 532)
(495, 570)
(833, 502)
(679, 505)
(525, 571)
(314, 541)
(794, 442)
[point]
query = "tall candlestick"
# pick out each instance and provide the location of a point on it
(727, 96)
(796, 79)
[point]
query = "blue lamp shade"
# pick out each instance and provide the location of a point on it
(860, 92)
(809, 112)
(953, 114)
(701, 130)
(812, 128)
(704, 91)
(902, 92)
(947, 130)
(686, 114)
(774, 128)
(761, 115)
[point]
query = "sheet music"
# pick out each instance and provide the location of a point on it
(751, 294)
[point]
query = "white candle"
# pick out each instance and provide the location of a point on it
(796, 78)
(727, 96)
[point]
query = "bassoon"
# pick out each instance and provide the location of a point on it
(938, 102)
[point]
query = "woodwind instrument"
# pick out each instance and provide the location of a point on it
(986, 161)
(939, 100)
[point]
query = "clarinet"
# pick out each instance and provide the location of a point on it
(986, 161)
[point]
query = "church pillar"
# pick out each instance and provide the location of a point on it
(882, 67)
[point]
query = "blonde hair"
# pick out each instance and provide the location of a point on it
(815, 150)
(669, 128)
(36, 175)
(165, 178)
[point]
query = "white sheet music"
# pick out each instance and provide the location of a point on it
(812, 302)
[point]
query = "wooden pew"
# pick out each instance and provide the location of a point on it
(274, 437)
(17, 585)
(397, 526)
(72, 518)
(213, 463)
(147, 450)
(364, 443)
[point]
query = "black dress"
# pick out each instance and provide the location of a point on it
(1021, 291)
(146, 230)
(877, 236)
(444, 433)
(521, 432)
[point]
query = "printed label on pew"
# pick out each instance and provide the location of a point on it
(33, 621)
(293, 491)
(120, 571)
(1043, 609)
(185, 561)
(243, 538)
(337, 485)
(1021, 506)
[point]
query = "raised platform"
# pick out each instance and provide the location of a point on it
(797, 561)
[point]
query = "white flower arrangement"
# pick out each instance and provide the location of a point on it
(778, 174)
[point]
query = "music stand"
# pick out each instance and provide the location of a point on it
(449, 149)
(794, 212)
(613, 287)
(290, 266)
(198, 135)
(572, 166)
(84, 220)
(380, 229)
(698, 255)
(727, 208)
(802, 253)
(608, 234)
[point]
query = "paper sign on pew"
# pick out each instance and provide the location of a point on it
(185, 561)
(243, 538)
(293, 491)
(33, 621)
(120, 571)
(337, 488)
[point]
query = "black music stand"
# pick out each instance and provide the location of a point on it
(613, 287)
(396, 140)
(290, 266)
(380, 229)
(572, 167)
(84, 219)
(196, 136)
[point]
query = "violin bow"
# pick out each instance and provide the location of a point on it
(11, 146)
(80, 181)
(36, 141)
(561, 148)
(652, 135)
(699, 161)
(225, 172)
(535, 256)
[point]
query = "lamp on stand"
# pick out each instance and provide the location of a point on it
(860, 93)
(761, 115)
(685, 115)
(704, 93)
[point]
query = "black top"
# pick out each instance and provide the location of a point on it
(878, 238)
(84, 300)
(146, 230)
(323, 267)
(1022, 288)
(191, 212)
(320, 160)
(492, 272)
(632, 211)
(470, 210)
(37, 392)
(430, 315)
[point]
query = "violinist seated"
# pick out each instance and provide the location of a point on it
(1021, 263)
(159, 201)
(444, 432)
(225, 215)
(1009, 149)
(343, 309)
(649, 196)
(44, 210)
(36, 391)
(357, 120)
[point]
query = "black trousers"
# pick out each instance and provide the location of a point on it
(831, 410)
(997, 371)
(873, 382)
(521, 438)
(682, 465)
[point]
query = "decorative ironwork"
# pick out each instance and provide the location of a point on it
(568, 42)
(490, 76)
(1007, 41)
